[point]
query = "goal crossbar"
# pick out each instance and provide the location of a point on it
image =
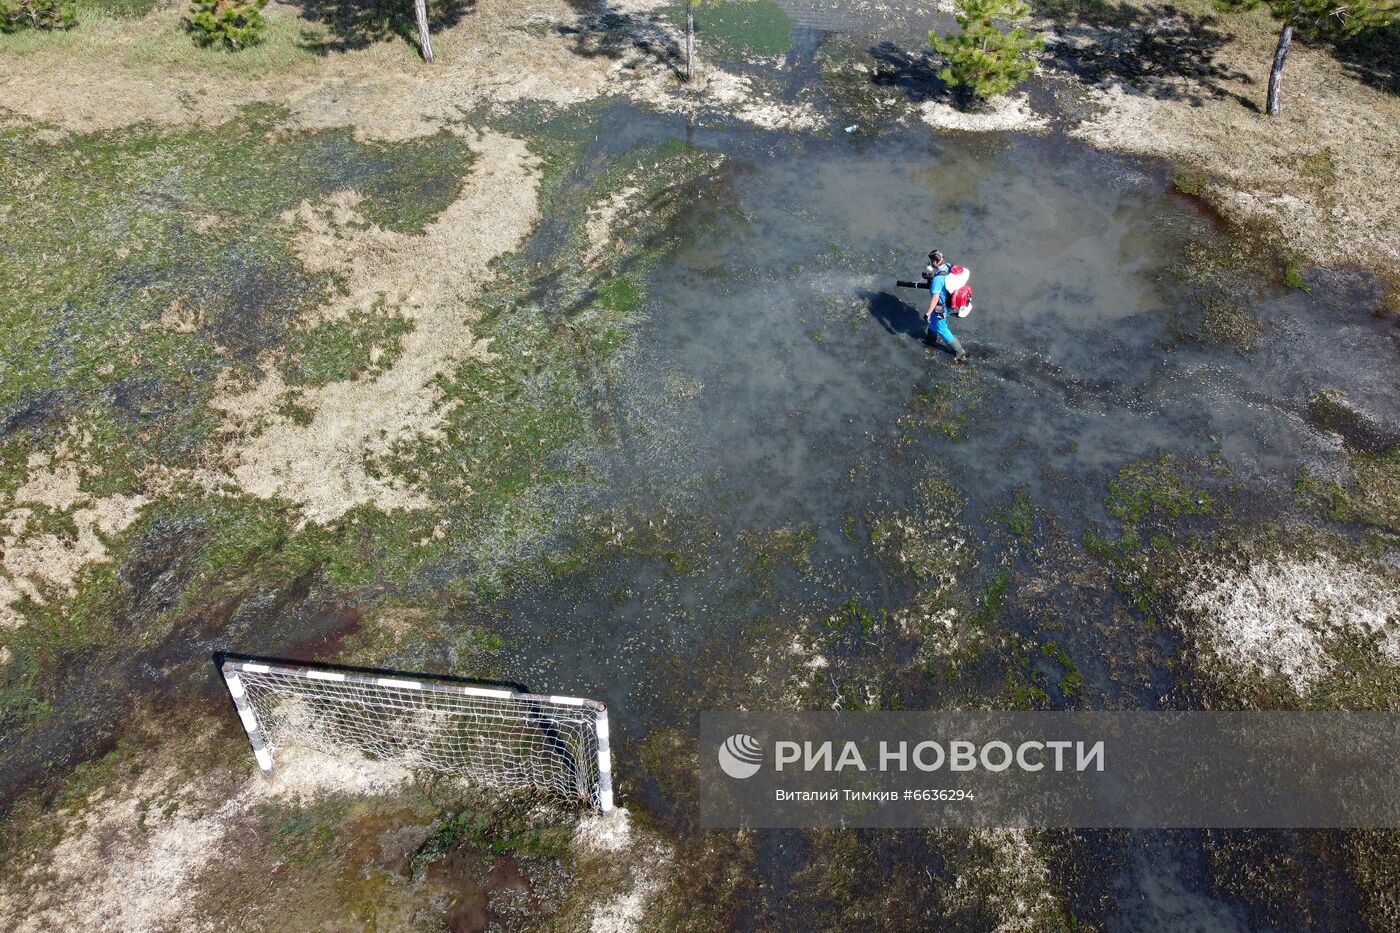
(491, 734)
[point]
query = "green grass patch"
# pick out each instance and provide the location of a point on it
(308, 836)
(945, 408)
(1190, 182)
(123, 227)
(364, 343)
(1371, 499)
(771, 550)
(666, 177)
(1377, 478)
(622, 296)
(514, 418)
(851, 619)
(1318, 165)
(1163, 508)
(737, 28)
(1071, 680)
(993, 595)
(120, 9)
(1159, 486)
(1326, 496)
(1293, 277)
(502, 826)
(1018, 516)
(1020, 687)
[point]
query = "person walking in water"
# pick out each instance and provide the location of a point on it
(938, 306)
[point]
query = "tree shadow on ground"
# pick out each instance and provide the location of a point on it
(914, 74)
(1373, 57)
(895, 315)
(358, 24)
(1155, 49)
(602, 32)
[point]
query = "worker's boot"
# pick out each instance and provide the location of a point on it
(959, 354)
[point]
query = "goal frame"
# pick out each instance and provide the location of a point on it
(231, 666)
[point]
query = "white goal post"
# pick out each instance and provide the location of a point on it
(492, 735)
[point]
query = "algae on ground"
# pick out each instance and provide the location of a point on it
(738, 28)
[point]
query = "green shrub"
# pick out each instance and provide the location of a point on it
(232, 24)
(36, 14)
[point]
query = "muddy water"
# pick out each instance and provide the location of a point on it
(773, 386)
(779, 362)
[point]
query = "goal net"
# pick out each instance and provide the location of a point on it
(491, 735)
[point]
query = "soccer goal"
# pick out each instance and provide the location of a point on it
(491, 735)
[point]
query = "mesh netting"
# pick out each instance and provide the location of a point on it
(506, 740)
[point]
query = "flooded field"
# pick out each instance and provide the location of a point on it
(618, 399)
(779, 406)
(779, 384)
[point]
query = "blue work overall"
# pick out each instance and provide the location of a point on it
(938, 320)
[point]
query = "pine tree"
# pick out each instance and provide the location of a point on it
(37, 14)
(1318, 19)
(230, 24)
(982, 61)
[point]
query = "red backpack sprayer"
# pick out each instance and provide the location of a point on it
(959, 292)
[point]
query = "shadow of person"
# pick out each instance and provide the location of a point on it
(895, 315)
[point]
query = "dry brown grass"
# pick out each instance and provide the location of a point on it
(1282, 617)
(135, 854)
(1265, 171)
(110, 73)
(41, 566)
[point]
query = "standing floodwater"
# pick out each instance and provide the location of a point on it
(780, 380)
(779, 391)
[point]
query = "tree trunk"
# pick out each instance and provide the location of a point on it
(1276, 73)
(689, 42)
(425, 41)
